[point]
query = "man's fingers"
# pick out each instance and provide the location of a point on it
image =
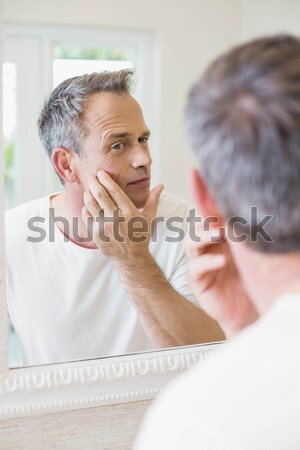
(101, 197)
(151, 205)
(206, 238)
(115, 192)
(87, 220)
(203, 264)
(85, 213)
(91, 205)
(203, 270)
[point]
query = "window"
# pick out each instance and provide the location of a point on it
(9, 129)
(71, 61)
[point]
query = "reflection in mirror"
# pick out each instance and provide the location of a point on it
(96, 264)
(9, 129)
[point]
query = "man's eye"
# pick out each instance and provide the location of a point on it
(143, 139)
(118, 146)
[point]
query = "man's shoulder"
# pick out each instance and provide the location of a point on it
(16, 219)
(29, 208)
(234, 387)
(172, 205)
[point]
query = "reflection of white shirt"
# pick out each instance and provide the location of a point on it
(66, 302)
(245, 398)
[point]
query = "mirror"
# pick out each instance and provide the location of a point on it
(69, 297)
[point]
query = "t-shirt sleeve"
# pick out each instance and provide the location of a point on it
(179, 277)
(180, 282)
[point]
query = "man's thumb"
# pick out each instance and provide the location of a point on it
(151, 205)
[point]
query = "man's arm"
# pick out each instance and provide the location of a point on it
(167, 317)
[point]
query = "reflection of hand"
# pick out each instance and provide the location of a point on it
(128, 235)
(216, 282)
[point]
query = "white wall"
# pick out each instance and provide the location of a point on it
(1, 134)
(188, 33)
(262, 17)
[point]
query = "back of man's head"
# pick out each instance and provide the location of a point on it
(243, 122)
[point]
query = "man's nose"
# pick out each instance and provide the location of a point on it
(140, 156)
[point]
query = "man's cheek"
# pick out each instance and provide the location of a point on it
(115, 172)
(108, 165)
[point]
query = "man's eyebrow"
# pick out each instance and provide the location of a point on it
(145, 133)
(118, 135)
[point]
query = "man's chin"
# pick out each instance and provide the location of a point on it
(139, 199)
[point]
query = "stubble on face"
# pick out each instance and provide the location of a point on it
(114, 121)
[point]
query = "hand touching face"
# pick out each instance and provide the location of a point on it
(111, 233)
(216, 282)
(117, 142)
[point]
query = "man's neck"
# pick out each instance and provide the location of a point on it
(268, 276)
(69, 206)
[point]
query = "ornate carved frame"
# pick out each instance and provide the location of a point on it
(82, 384)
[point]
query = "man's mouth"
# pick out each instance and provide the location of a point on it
(143, 182)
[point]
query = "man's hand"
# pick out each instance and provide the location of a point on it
(167, 318)
(217, 284)
(119, 229)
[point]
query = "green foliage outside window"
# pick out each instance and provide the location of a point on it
(8, 160)
(90, 54)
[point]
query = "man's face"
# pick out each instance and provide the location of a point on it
(117, 142)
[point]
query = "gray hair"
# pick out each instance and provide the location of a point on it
(243, 123)
(60, 123)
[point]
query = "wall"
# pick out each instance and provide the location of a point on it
(1, 136)
(261, 17)
(188, 34)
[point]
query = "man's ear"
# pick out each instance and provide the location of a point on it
(63, 161)
(204, 202)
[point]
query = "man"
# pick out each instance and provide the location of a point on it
(243, 121)
(104, 291)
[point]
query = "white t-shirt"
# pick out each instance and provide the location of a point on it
(246, 398)
(67, 302)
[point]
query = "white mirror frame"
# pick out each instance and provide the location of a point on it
(97, 382)
(120, 380)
